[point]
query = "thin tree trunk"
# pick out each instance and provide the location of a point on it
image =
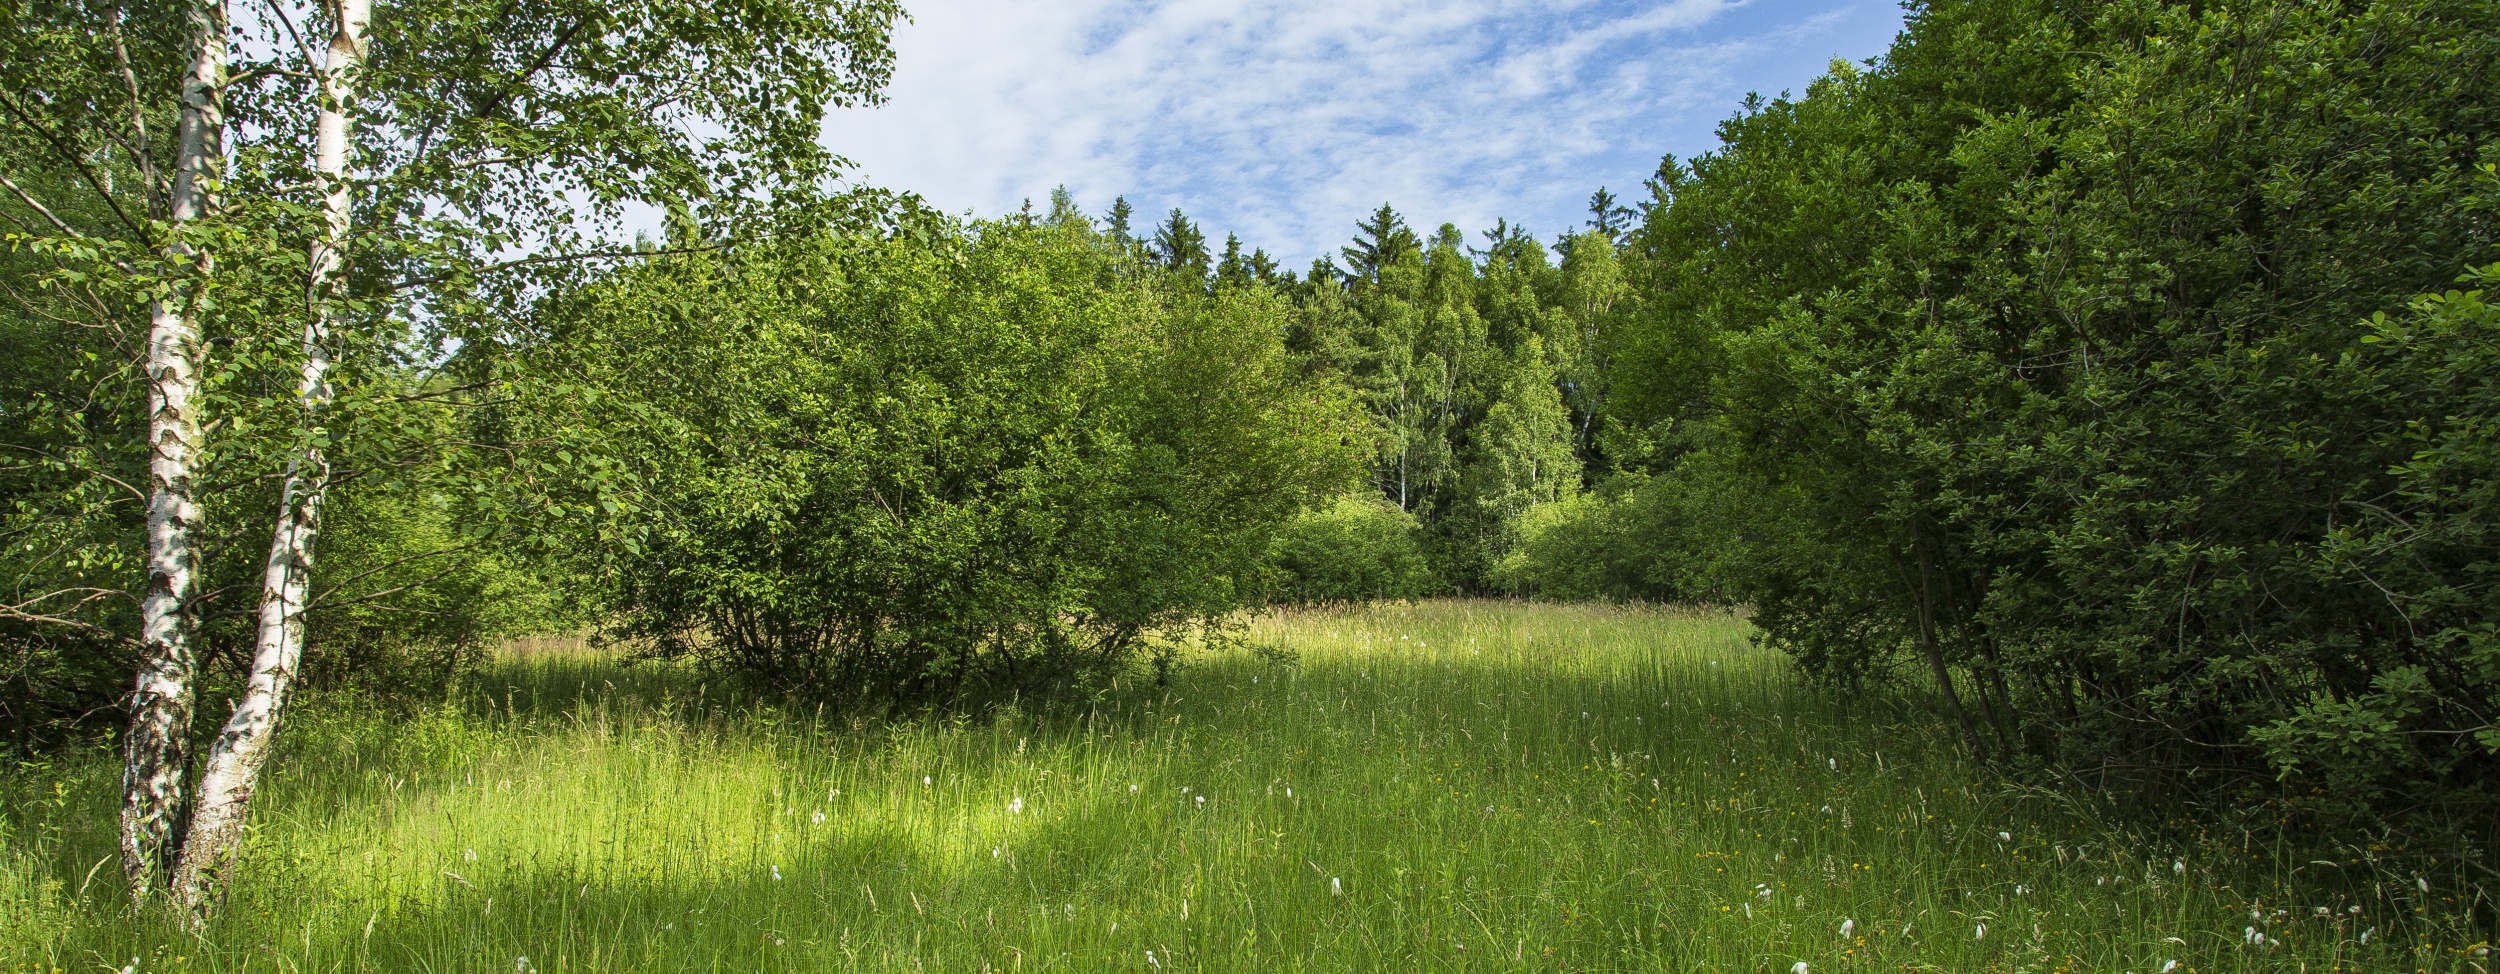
(1934, 652)
(242, 747)
(156, 752)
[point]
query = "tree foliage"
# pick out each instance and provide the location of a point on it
(942, 465)
(2039, 346)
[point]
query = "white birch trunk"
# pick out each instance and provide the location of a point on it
(235, 758)
(156, 752)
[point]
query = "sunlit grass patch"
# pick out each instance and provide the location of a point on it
(1445, 786)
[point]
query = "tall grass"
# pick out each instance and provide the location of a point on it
(1447, 786)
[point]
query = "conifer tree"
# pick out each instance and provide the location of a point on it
(1233, 270)
(1180, 247)
(1117, 222)
(1382, 239)
(1608, 217)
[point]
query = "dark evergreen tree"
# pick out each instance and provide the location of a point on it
(1117, 222)
(1607, 216)
(1233, 270)
(1180, 247)
(1382, 240)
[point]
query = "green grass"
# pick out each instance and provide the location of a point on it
(1450, 786)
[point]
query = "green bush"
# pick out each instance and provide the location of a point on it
(1357, 548)
(2031, 353)
(936, 466)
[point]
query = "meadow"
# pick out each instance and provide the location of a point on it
(1446, 786)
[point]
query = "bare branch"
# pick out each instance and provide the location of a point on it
(265, 71)
(300, 47)
(138, 118)
(74, 159)
(142, 497)
(558, 259)
(19, 613)
(387, 566)
(39, 208)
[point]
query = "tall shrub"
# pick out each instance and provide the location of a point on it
(930, 466)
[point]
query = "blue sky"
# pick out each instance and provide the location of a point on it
(1287, 120)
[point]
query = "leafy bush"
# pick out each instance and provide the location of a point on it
(1358, 548)
(2031, 350)
(925, 466)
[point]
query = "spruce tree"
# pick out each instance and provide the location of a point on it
(1233, 270)
(1382, 239)
(1180, 247)
(1117, 221)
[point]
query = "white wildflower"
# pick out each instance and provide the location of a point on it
(469, 854)
(1016, 807)
(1979, 932)
(2179, 866)
(776, 874)
(2423, 883)
(925, 781)
(521, 964)
(2365, 935)
(1847, 927)
(1800, 968)
(1202, 799)
(2005, 836)
(818, 818)
(2169, 966)
(1335, 888)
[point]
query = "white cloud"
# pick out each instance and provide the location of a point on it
(1285, 121)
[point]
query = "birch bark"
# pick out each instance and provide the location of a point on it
(242, 746)
(156, 747)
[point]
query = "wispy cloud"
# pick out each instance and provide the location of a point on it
(1287, 120)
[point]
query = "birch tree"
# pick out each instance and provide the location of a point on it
(156, 746)
(242, 746)
(466, 153)
(84, 92)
